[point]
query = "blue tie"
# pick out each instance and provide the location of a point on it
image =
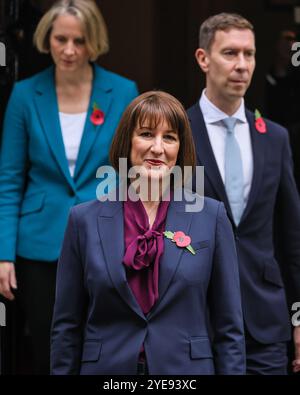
(234, 179)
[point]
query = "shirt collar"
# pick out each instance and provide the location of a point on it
(213, 114)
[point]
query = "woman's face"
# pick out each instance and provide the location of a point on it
(155, 149)
(67, 44)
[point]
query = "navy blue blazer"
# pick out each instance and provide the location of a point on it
(273, 200)
(36, 188)
(98, 326)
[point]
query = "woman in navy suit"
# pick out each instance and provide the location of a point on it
(57, 131)
(145, 285)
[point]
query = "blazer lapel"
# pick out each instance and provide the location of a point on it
(206, 155)
(111, 232)
(47, 109)
(101, 95)
(177, 220)
(258, 149)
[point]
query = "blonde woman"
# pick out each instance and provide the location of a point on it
(57, 131)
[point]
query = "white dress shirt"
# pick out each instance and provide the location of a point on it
(72, 126)
(217, 133)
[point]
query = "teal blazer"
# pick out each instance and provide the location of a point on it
(36, 188)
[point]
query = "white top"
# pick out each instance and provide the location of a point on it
(217, 133)
(72, 126)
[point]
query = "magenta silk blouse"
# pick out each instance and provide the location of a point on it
(143, 249)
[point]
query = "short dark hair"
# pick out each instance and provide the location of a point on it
(223, 21)
(152, 108)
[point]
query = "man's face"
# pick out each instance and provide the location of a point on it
(228, 65)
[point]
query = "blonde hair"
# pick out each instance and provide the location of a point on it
(88, 13)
